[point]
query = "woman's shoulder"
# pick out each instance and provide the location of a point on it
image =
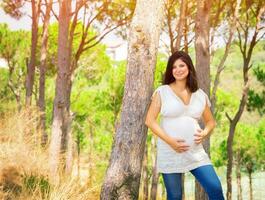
(160, 90)
(160, 87)
(201, 91)
(203, 95)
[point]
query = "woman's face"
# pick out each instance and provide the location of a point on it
(180, 70)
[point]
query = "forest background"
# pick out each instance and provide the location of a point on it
(67, 93)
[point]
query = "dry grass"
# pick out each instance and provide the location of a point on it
(24, 164)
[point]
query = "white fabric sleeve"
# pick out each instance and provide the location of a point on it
(206, 98)
(157, 90)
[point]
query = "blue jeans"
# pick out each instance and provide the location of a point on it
(205, 175)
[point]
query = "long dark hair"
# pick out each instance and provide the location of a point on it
(192, 82)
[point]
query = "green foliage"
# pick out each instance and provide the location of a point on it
(219, 157)
(249, 143)
(256, 100)
(32, 182)
(161, 65)
(14, 49)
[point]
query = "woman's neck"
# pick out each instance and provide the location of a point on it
(179, 85)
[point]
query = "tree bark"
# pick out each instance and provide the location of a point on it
(186, 45)
(220, 68)
(61, 103)
(180, 27)
(155, 175)
(145, 174)
(202, 28)
(34, 40)
(250, 184)
(43, 56)
(168, 7)
(238, 176)
(123, 174)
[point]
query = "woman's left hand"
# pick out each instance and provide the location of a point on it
(199, 136)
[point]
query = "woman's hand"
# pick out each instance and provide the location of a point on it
(199, 136)
(178, 145)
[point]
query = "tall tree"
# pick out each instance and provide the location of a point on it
(101, 11)
(35, 7)
(43, 58)
(155, 174)
(13, 48)
(183, 8)
(61, 104)
(122, 178)
(13, 8)
(253, 9)
(232, 21)
(202, 29)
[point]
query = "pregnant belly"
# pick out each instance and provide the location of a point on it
(181, 127)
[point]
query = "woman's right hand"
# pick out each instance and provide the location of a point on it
(178, 145)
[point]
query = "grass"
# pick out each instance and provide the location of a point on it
(24, 166)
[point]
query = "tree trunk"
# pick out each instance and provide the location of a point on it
(155, 175)
(185, 34)
(250, 184)
(246, 51)
(90, 153)
(69, 159)
(221, 66)
(169, 25)
(202, 27)
(145, 174)
(238, 176)
(123, 174)
(183, 185)
(34, 40)
(43, 56)
(61, 103)
(181, 24)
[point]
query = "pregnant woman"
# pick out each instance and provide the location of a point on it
(179, 147)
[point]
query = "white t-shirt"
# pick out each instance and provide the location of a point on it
(180, 120)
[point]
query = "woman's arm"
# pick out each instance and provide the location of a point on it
(150, 121)
(209, 122)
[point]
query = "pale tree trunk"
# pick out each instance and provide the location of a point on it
(250, 170)
(168, 15)
(246, 52)
(123, 175)
(216, 18)
(183, 185)
(181, 22)
(155, 174)
(43, 57)
(91, 139)
(34, 40)
(85, 44)
(185, 33)
(61, 104)
(69, 159)
(202, 28)
(145, 174)
(238, 176)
